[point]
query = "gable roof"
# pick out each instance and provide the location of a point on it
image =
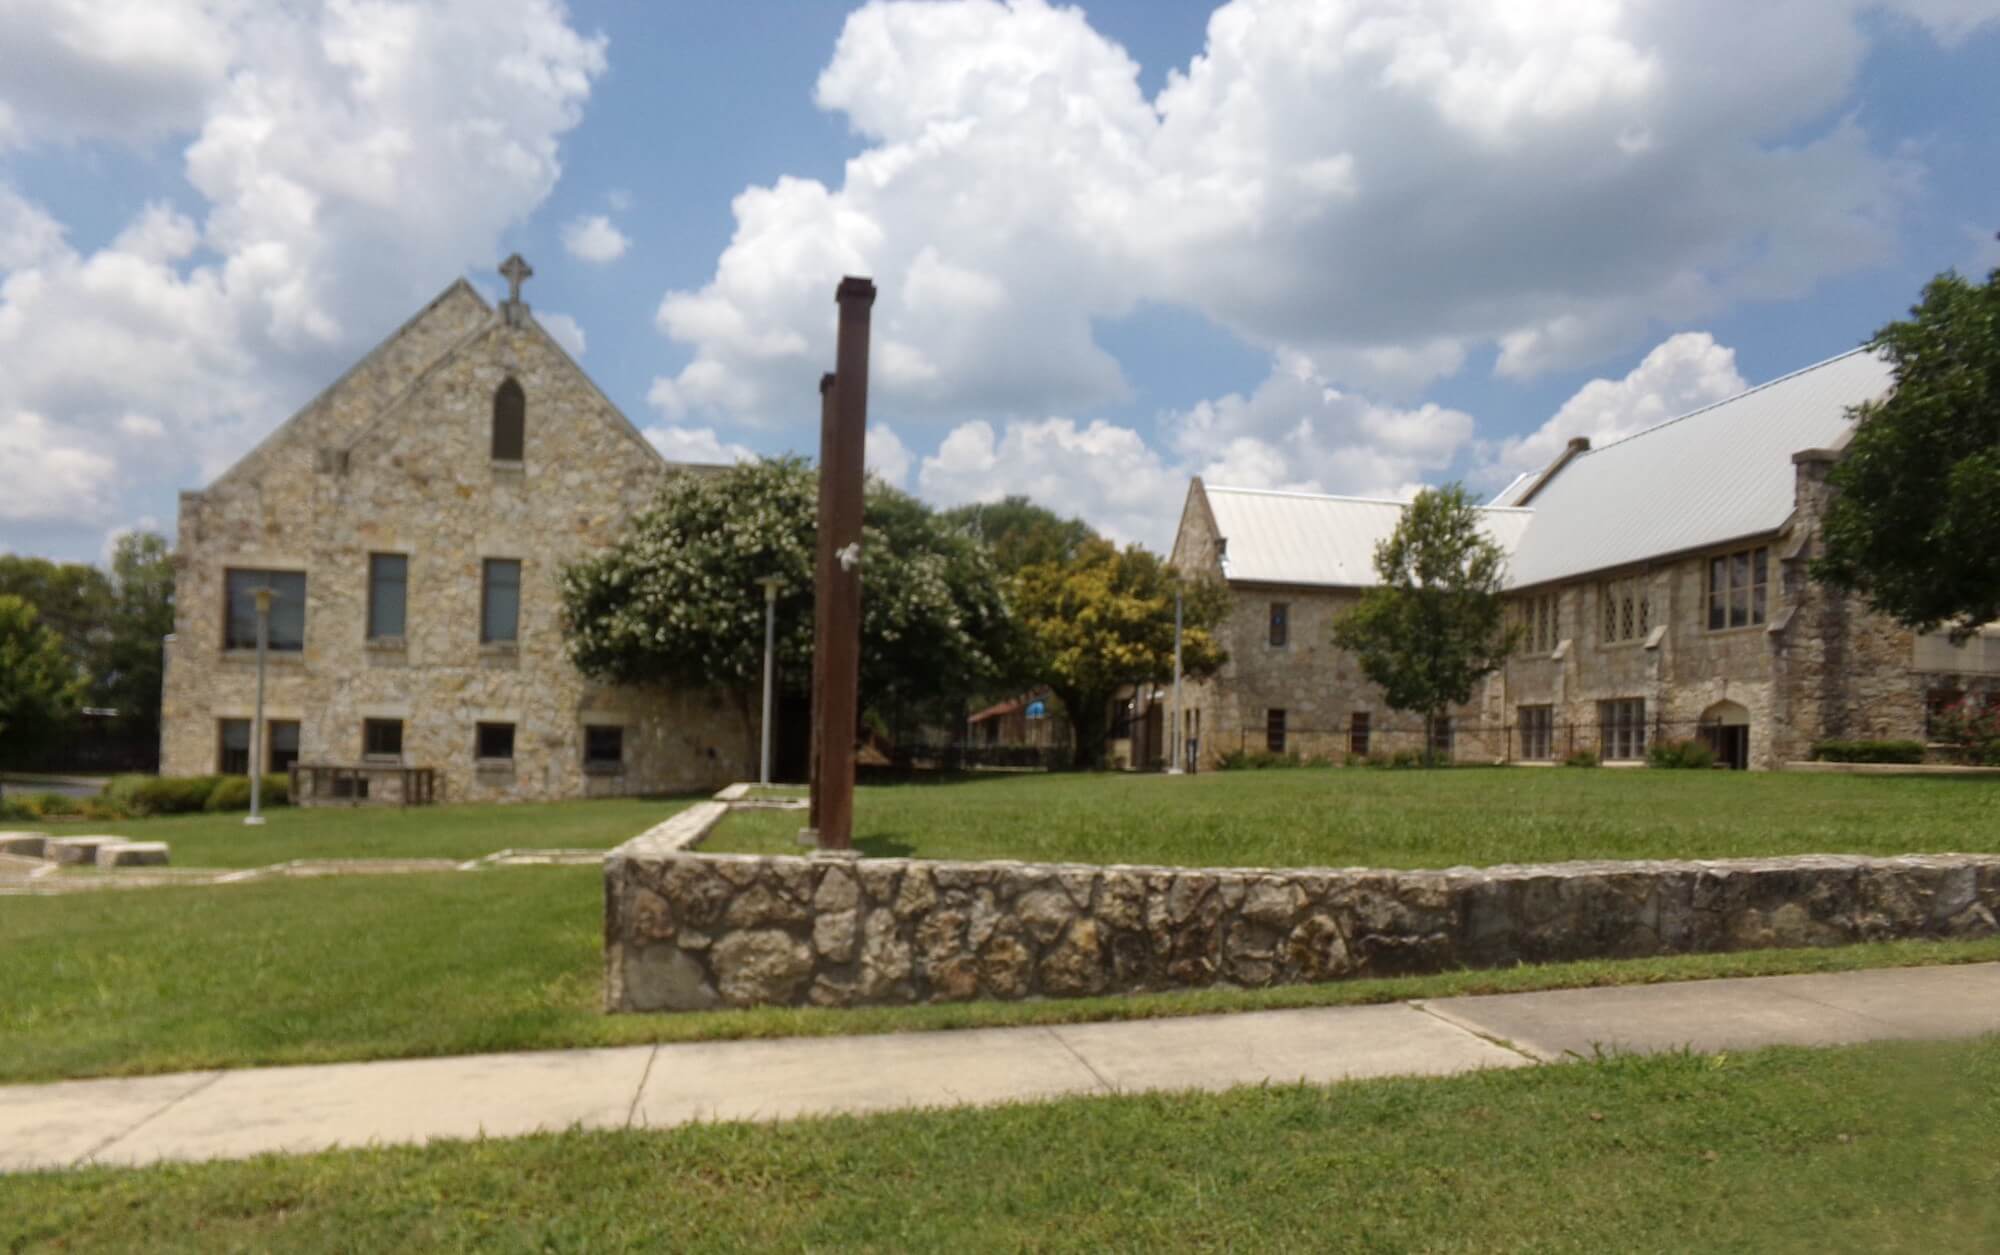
(1304, 538)
(1717, 474)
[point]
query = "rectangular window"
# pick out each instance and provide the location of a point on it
(1281, 624)
(288, 609)
(1621, 729)
(1538, 724)
(1627, 609)
(381, 738)
(1357, 732)
(1441, 738)
(500, 602)
(284, 749)
(388, 593)
(1274, 731)
(1541, 624)
(1739, 589)
(233, 756)
(496, 741)
(605, 747)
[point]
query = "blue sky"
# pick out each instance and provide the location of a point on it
(1345, 247)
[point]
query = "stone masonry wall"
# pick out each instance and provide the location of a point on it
(686, 931)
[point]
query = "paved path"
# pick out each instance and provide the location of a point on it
(227, 1114)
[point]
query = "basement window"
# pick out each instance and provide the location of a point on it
(495, 742)
(1274, 731)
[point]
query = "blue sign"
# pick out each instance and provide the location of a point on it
(1037, 710)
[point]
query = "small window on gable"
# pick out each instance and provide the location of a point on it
(510, 422)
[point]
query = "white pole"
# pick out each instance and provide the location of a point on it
(770, 651)
(256, 815)
(1176, 746)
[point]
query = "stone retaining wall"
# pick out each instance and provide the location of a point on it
(685, 930)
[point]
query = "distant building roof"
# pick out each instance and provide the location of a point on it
(1717, 474)
(1301, 538)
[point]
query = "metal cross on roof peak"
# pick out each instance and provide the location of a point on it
(516, 271)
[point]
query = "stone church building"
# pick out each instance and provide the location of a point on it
(412, 522)
(1660, 583)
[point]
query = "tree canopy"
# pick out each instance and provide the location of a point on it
(1914, 521)
(1020, 533)
(1104, 619)
(1435, 626)
(677, 601)
(40, 687)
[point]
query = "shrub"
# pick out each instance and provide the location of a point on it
(232, 793)
(1868, 751)
(1265, 760)
(1581, 758)
(1972, 732)
(1690, 755)
(160, 795)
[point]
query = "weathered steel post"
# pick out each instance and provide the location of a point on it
(820, 582)
(837, 609)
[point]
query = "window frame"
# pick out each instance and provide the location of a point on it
(598, 763)
(1624, 610)
(1621, 729)
(509, 388)
(273, 643)
(1443, 739)
(1537, 725)
(369, 726)
(374, 604)
(223, 749)
(486, 568)
(271, 727)
(1360, 731)
(479, 745)
(1738, 575)
(1279, 625)
(1274, 730)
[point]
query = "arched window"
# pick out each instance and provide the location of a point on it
(510, 422)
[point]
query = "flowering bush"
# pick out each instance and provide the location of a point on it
(1971, 730)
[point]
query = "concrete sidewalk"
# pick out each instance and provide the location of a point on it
(228, 1114)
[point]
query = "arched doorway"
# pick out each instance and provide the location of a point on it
(1725, 728)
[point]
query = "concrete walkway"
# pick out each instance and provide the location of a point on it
(228, 1114)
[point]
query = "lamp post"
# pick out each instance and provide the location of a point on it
(770, 583)
(1174, 739)
(256, 815)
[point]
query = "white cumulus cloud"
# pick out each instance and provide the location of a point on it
(594, 239)
(564, 330)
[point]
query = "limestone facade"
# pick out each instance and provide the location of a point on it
(396, 460)
(1817, 664)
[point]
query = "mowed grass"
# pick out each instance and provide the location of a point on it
(1360, 817)
(461, 832)
(370, 967)
(1871, 1148)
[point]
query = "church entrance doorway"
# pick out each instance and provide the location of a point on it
(1725, 728)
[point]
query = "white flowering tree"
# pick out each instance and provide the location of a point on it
(677, 601)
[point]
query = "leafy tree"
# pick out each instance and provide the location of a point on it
(1021, 533)
(676, 601)
(131, 663)
(1914, 521)
(39, 685)
(1104, 619)
(1435, 626)
(72, 599)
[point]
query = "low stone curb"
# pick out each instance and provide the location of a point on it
(1891, 769)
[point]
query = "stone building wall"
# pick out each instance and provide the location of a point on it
(688, 931)
(396, 459)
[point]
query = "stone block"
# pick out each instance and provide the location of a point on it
(133, 854)
(78, 851)
(23, 844)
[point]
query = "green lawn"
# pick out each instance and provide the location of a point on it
(1873, 1148)
(461, 832)
(304, 971)
(1348, 817)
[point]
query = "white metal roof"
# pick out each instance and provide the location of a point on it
(1707, 477)
(1302, 538)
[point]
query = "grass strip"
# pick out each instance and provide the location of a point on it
(1879, 1148)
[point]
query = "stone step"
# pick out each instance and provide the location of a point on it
(78, 850)
(25, 844)
(133, 854)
